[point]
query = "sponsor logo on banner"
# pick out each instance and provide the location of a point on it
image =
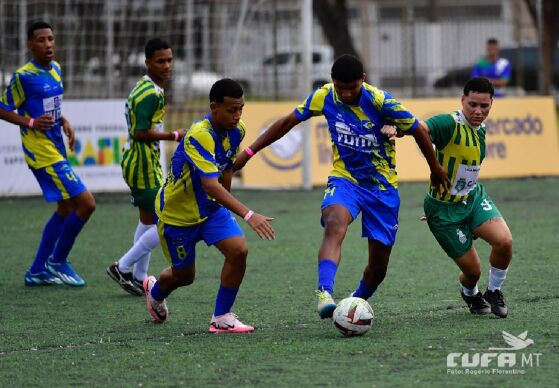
(103, 151)
(285, 153)
(100, 131)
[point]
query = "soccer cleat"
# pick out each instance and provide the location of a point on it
(65, 272)
(326, 304)
(228, 323)
(497, 302)
(125, 280)
(43, 278)
(157, 309)
(476, 303)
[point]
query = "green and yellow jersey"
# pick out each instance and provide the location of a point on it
(145, 109)
(203, 153)
(460, 148)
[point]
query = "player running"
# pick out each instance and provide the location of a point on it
(36, 90)
(363, 177)
(145, 111)
(193, 205)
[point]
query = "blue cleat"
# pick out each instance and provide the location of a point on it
(66, 273)
(43, 278)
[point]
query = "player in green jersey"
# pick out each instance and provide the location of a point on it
(145, 110)
(466, 212)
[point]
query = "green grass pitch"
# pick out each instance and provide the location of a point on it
(101, 336)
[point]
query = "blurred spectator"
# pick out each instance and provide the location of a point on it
(497, 70)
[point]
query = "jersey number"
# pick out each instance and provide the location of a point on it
(181, 252)
(329, 191)
(71, 177)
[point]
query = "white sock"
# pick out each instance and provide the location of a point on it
(140, 270)
(145, 244)
(141, 229)
(496, 278)
(469, 292)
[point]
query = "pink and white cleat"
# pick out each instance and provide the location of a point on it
(157, 309)
(228, 323)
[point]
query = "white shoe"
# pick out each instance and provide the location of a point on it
(228, 323)
(157, 309)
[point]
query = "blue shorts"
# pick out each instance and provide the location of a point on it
(58, 181)
(179, 242)
(379, 207)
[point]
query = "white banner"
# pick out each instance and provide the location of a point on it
(101, 131)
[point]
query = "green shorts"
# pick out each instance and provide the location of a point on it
(452, 223)
(144, 198)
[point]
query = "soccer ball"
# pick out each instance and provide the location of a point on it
(353, 316)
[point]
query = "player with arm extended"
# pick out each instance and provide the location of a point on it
(466, 211)
(141, 169)
(192, 205)
(363, 177)
(36, 90)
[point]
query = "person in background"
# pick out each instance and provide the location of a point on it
(497, 70)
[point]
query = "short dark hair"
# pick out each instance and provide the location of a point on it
(492, 41)
(225, 87)
(153, 45)
(478, 85)
(38, 25)
(347, 68)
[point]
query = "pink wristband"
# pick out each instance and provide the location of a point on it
(175, 135)
(248, 215)
(31, 122)
(249, 151)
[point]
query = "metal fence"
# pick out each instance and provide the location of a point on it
(412, 48)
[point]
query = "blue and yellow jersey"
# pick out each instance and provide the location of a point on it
(501, 69)
(362, 153)
(35, 90)
(203, 153)
(460, 148)
(145, 110)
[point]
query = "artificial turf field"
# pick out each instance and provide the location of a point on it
(101, 336)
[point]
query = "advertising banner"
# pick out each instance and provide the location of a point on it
(100, 129)
(521, 142)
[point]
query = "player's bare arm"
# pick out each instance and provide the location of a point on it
(258, 222)
(226, 178)
(69, 132)
(152, 134)
(42, 123)
(276, 131)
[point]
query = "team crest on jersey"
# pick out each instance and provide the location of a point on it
(461, 236)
